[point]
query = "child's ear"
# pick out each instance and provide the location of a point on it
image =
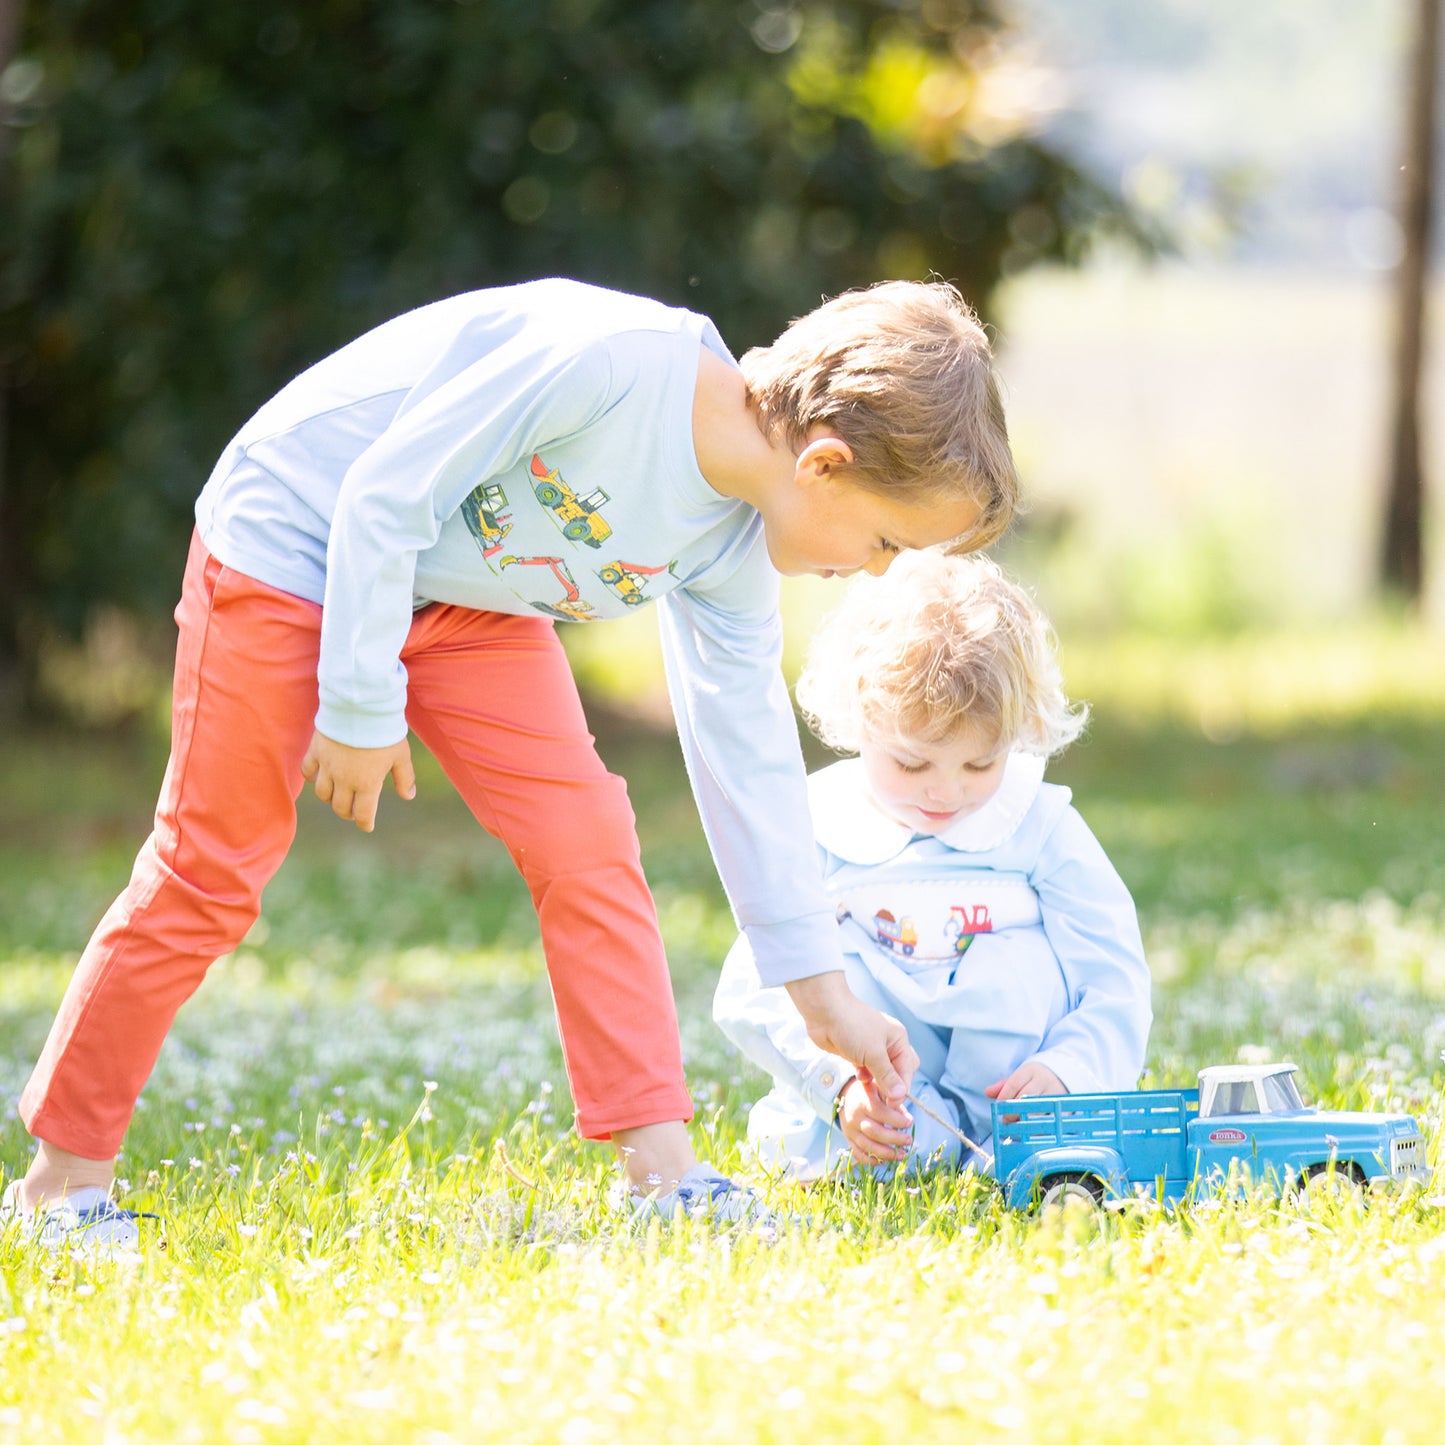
(823, 458)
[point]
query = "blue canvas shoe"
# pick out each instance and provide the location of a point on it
(701, 1193)
(88, 1220)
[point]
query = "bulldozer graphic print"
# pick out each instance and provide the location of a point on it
(628, 580)
(580, 518)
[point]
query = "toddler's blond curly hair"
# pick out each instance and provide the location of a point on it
(936, 647)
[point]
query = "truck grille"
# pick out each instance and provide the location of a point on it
(1407, 1159)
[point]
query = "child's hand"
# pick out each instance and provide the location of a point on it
(1026, 1080)
(877, 1132)
(350, 779)
(839, 1022)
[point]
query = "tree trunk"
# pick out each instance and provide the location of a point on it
(9, 32)
(9, 29)
(1402, 559)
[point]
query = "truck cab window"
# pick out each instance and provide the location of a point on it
(1234, 1096)
(1281, 1094)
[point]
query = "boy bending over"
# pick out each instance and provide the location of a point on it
(387, 544)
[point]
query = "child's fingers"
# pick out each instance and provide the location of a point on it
(874, 1143)
(861, 1154)
(403, 775)
(893, 1116)
(885, 1137)
(868, 1109)
(363, 809)
(888, 1081)
(315, 772)
(865, 1151)
(904, 1058)
(892, 1068)
(1027, 1079)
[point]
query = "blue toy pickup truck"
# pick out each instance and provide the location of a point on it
(1245, 1123)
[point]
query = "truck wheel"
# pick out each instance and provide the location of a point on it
(1060, 1188)
(1339, 1180)
(548, 493)
(576, 529)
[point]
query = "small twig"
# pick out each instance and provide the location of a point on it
(500, 1150)
(957, 1133)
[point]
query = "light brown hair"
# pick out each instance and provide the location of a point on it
(902, 371)
(935, 647)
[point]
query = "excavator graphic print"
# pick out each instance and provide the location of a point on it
(572, 606)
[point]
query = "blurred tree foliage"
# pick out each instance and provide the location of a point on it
(202, 198)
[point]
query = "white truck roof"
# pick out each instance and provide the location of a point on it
(1237, 1073)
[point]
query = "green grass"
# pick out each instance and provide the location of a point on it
(376, 1224)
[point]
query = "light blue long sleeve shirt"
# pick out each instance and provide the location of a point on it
(1008, 938)
(529, 449)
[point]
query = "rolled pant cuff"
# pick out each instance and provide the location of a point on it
(670, 1107)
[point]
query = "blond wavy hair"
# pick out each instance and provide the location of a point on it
(902, 371)
(937, 646)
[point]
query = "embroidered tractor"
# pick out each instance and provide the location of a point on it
(627, 579)
(571, 608)
(485, 520)
(892, 932)
(579, 517)
(965, 922)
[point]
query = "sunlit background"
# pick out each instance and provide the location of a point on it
(1213, 430)
(1199, 400)
(1203, 435)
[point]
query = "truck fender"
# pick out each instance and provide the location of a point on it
(1105, 1164)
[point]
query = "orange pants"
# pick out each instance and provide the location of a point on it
(492, 696)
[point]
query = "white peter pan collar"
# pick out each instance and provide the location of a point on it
(850, 826)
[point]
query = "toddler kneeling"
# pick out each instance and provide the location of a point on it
(975, 905)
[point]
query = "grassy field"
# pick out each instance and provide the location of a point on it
(375, 1224)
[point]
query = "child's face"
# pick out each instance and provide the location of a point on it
(930, 786)
(823, 525)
